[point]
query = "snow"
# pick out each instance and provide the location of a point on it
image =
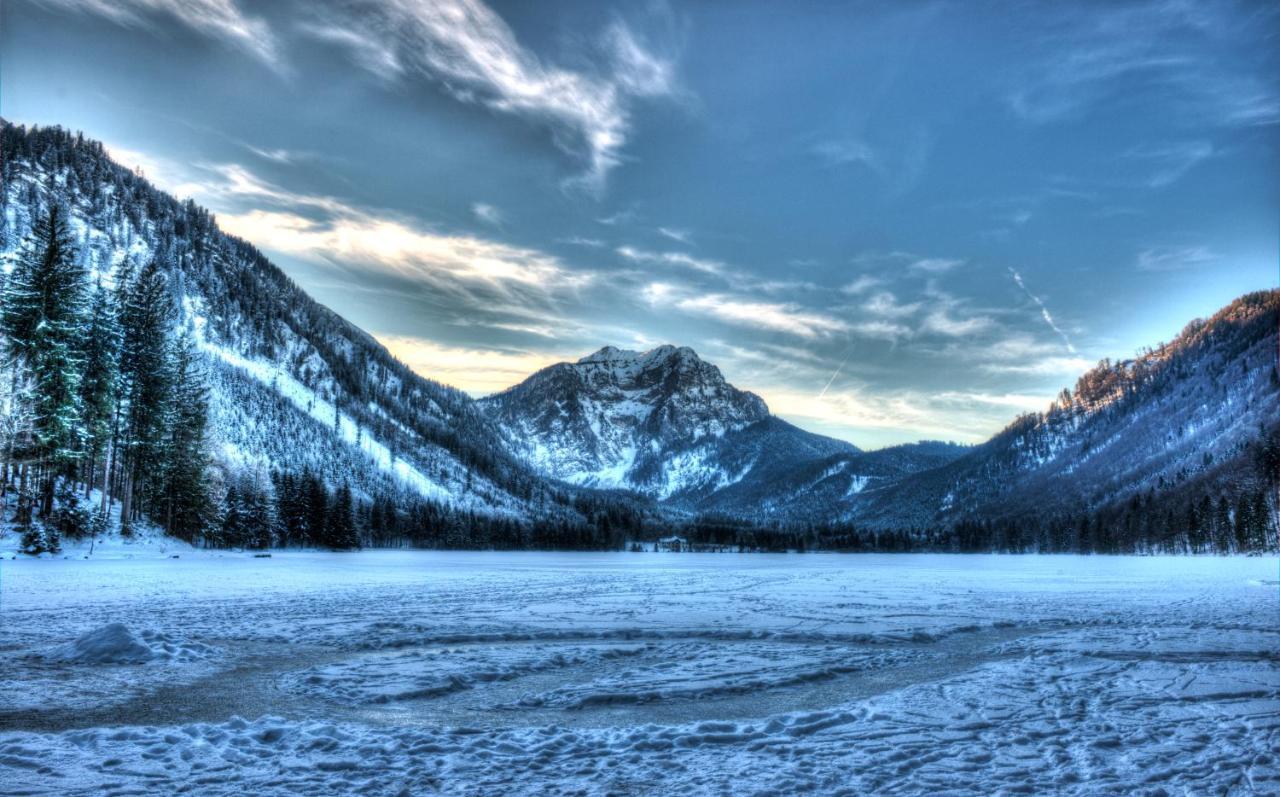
(114, 643)
(307, 400)
(390, 672)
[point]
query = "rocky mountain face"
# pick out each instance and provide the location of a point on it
(650, 421)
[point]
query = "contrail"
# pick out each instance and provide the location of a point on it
(839, 368)
(1044, 311)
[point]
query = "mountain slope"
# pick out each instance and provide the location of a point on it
(295, 386)
(1188, 413)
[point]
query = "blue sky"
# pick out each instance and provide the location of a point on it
(893, 221)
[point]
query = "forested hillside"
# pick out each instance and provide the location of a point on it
(120, 301)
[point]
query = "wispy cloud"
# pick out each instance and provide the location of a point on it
(898, 169)
(679, 236)
(1175, 258)
(1044, 311)
(464, 46)
(487, 213)
(477, 370)
(283, 156)
(219, 19)
(1170, 162)
(846, 152)
(679, 259)
(861, 285)
(578, 240)
(772, 316)
(935, 265)
(1121, 50)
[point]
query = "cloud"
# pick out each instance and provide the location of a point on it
(788, 318)
(614, 219)
(357, 237)
(577, 240)
(1044, 311)
(942, 323)
(1046, 366)
(219, 19)
(1124, 51)
(969, 416)
(466, 271)
(885, 304)
(882, 330)
(1175, 258)
(673, 259)
(1169, 162)
(680, 236)
(935, 265)
(283, 156)
(466, 48)
(899, 171)
(487, 213)
(479, 371)
(861, 285)
(846, 152)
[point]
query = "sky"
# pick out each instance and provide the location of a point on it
(893, 221)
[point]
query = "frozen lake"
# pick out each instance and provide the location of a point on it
(490, 673)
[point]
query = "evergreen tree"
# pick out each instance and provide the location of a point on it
(186, 458)
(41, 318)
(100, 352)
(340, 529)
(317, 508)
(144, 361)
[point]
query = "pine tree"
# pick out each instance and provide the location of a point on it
(317, 508)
(340, 529)
(146, 376)
(100, 352)
(42, 318)
(186, 458)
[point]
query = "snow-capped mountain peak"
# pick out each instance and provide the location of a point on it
(614, 417)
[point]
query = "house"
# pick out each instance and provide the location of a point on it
(672, 543)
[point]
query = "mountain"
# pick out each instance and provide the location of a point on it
(1176, 449)
(1192, 421)
(663, 422)
(294, 387)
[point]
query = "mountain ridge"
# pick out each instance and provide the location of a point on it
(589, 451)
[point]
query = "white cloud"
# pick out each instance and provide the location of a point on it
(357, 237)
(941, 322)
(487, 213)
(1175, 258)
(680, 236)
(787, 318)
(468, 49)
(577, 240)
(1169, 162)
(847, 151)
(673, 259)
(861, 285)
(885, 305)
(478, 371)
(935, 265)
(220, 19)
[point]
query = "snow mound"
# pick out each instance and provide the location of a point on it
(114, 643)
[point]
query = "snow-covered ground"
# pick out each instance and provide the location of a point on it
(484, 673)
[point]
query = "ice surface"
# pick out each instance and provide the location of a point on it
(465, 673)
